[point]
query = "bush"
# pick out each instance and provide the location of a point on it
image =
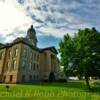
(62, 80)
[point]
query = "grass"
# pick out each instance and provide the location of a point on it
(50, 91)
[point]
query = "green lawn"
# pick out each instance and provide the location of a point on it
(50, 91)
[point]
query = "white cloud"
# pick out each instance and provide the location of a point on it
(12, 17)
(52, 17)
(51, 31)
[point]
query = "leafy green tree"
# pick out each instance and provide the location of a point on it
(80, 55)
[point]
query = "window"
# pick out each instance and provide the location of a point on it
(34, 66)
(14, 64)
(4, 78)
(9, 54)
(37, 66)
(37, 57)
(16, 52)
(37, 76)
(11, 78)
(23, 63)
(23, 78)
(31, 55)
(30, 66)
(8, 65)
(30, 78)
(24, 52)
(1, 55)
(34, 77)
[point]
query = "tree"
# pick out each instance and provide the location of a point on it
(80, 55)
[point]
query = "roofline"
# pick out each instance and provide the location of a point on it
(52, 49)
(11, 44)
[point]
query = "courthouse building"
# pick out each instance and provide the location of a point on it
(22, 61)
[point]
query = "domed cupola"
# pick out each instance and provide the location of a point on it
(31, 36)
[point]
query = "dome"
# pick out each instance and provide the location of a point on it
(31, 35)
(31, 32)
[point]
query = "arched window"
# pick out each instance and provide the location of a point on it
(14, 64)
(16, 52)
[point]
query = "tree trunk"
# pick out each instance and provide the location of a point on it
(87, 82)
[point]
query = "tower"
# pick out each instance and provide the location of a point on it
(31, 36)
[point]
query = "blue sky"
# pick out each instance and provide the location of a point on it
(52, 19)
